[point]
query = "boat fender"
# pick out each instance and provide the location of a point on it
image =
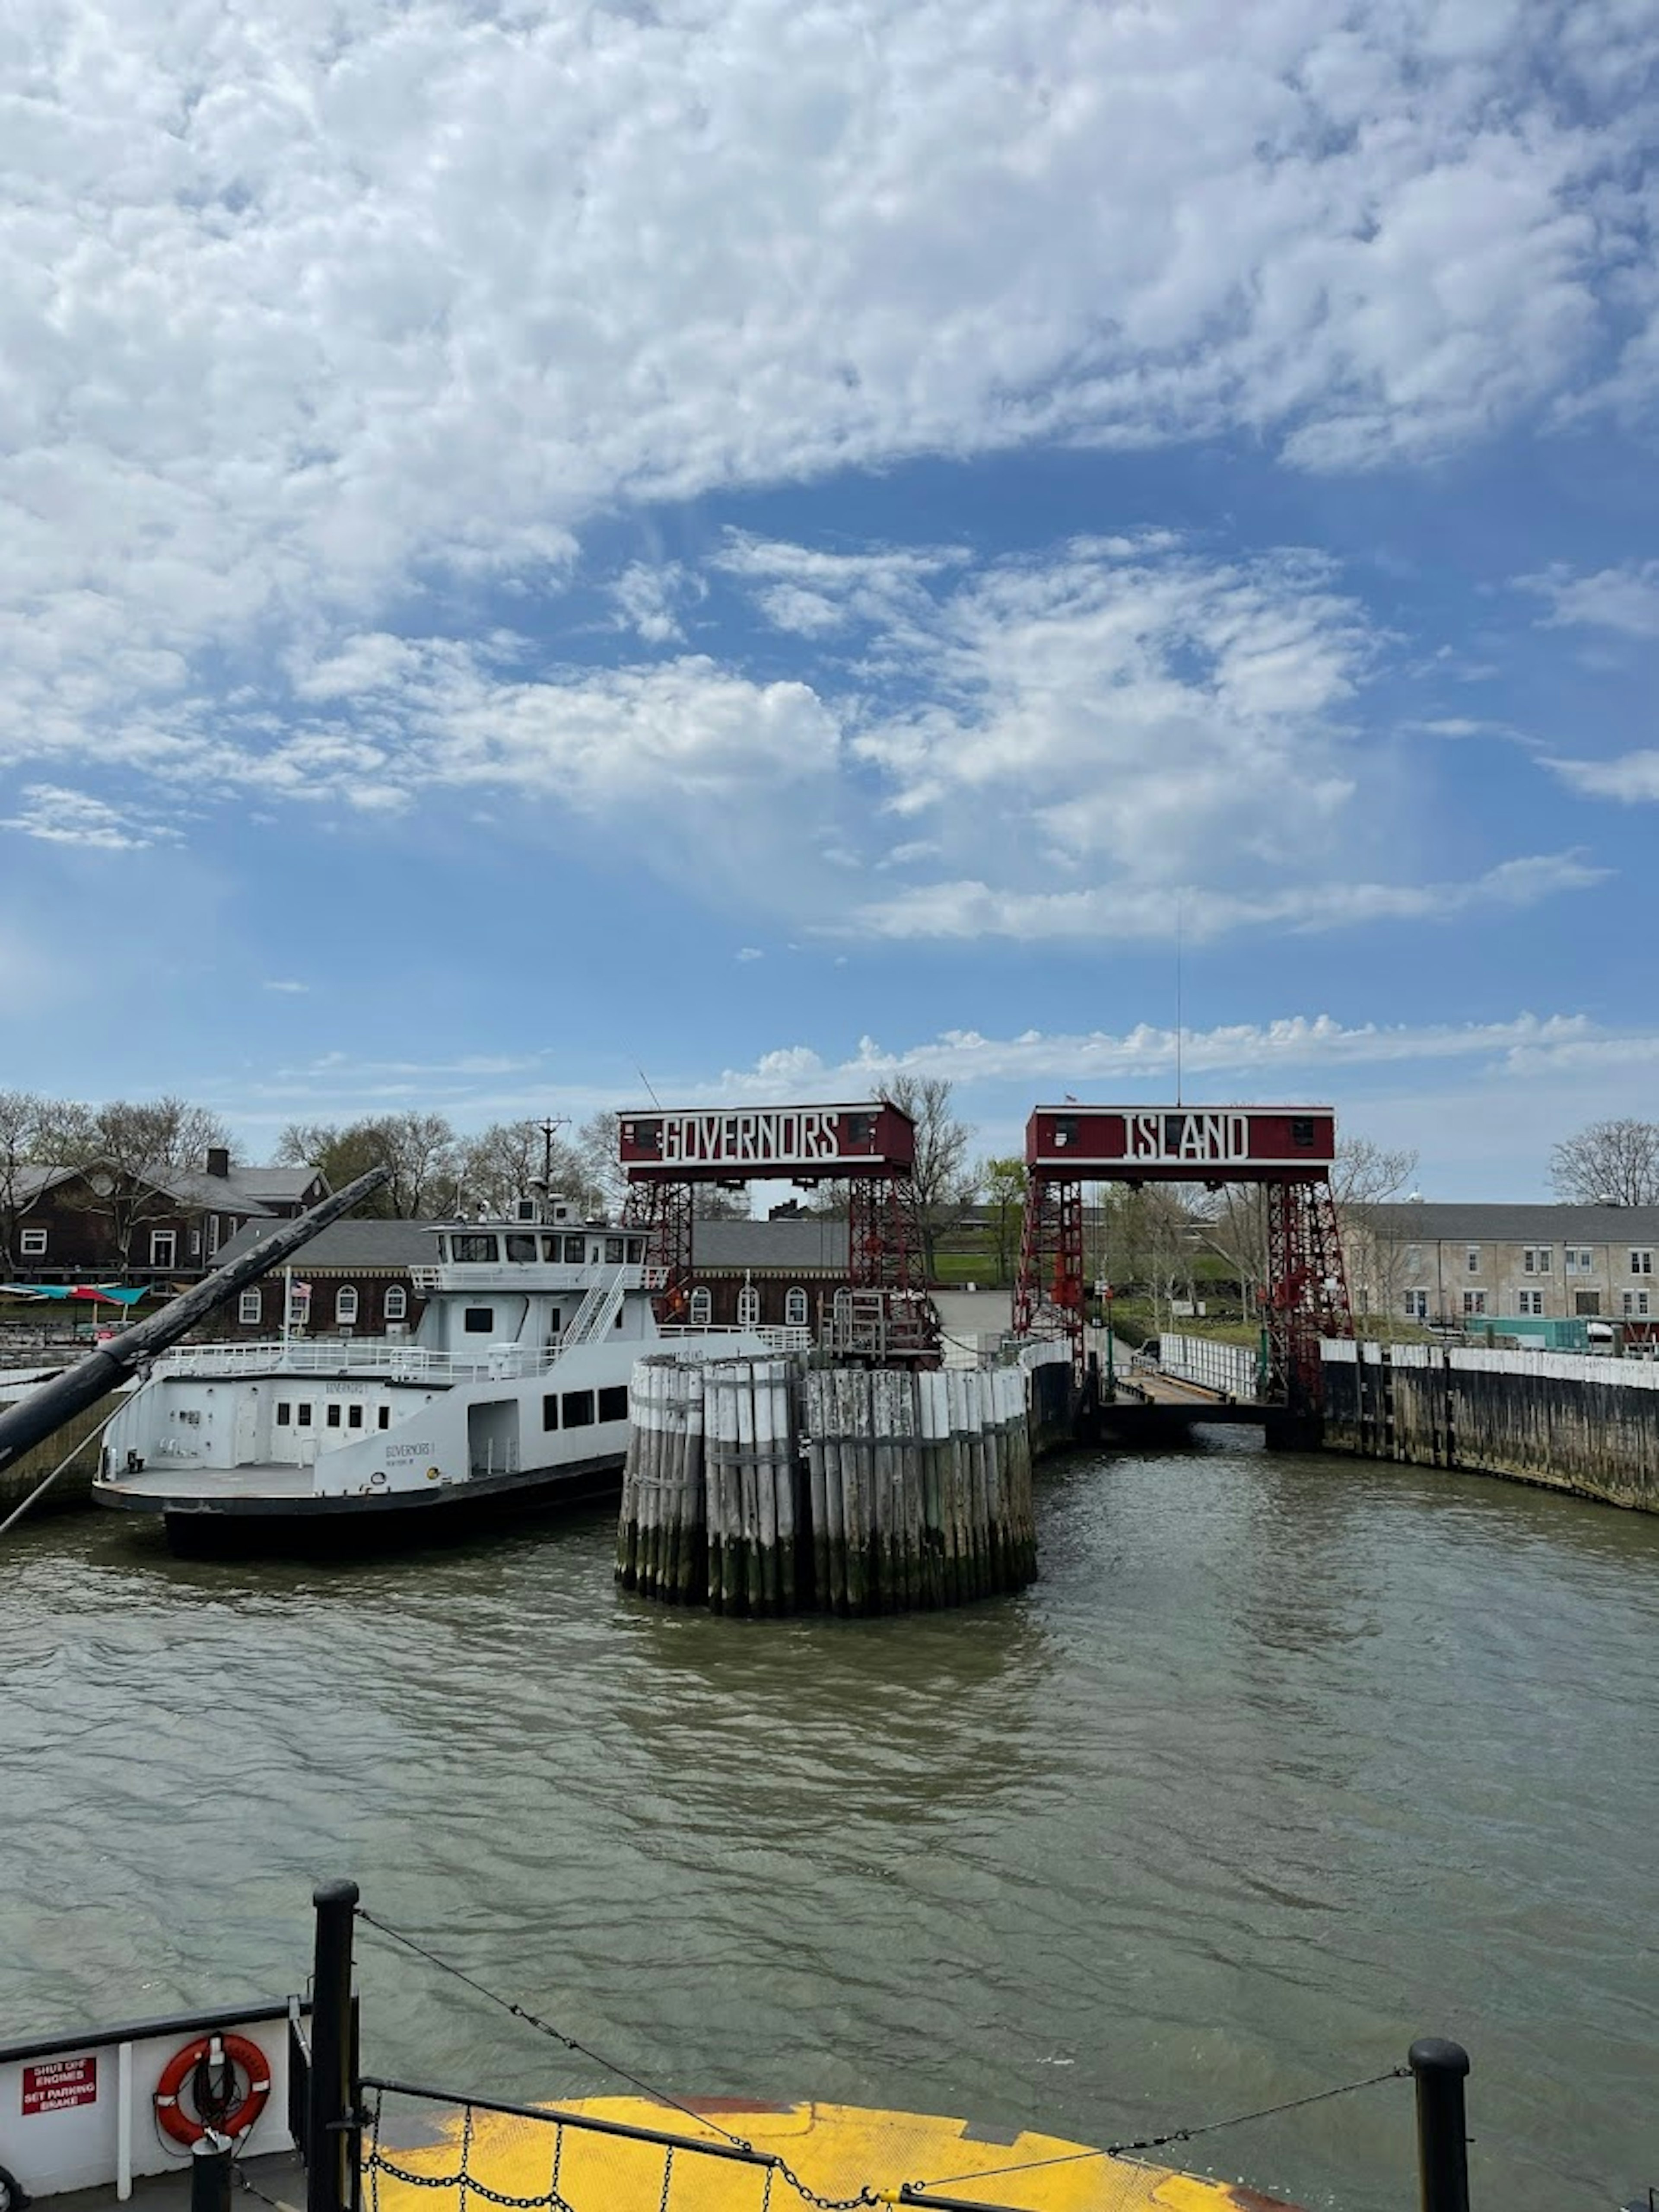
(12, 2198)
(211, 2064)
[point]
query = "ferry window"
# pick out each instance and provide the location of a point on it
(473, 1249)
(383, 1417)
(576, 1251)
(553, 1248)
(397, 1302)
(479, 1321)
(578, 1409)
(354, 1416)
(284, 1413)
(748, 1307)
(521, 1248)
(249, 1308)
(613, 1403)
(794, 1309)
(702, 1308)
(345, 1306)
(333, 1415)
(550, 1410)
(613, 1251)
(302, 1418)
(636, 1250)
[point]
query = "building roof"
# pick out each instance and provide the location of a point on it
(344, 1247)
(277, 1183)
(195, 1187)
(807, 1242)
(1417, 1221)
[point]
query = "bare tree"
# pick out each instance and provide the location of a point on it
(1365, 1176)
(945, 1183)
(132, 1148)
(1609, 1164)
(20, 1115)
(420, 1150)
(598, 1143)
(501, 1162)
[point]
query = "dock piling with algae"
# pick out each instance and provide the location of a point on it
(758, 1486)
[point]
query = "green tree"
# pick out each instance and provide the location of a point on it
(1003, 1183)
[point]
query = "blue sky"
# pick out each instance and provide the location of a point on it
(775, 545)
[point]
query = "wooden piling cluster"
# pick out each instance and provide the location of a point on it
(661, 1539)
(919, 1487)
(759, 1486)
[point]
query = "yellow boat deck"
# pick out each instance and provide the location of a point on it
(474, 2158)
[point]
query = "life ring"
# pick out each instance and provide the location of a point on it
(198, 2063)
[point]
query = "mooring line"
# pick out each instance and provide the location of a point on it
(546, 2027)
(1174, 2136)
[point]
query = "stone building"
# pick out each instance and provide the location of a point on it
(1454, 1263)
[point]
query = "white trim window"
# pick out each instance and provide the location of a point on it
(345, 1307)
(163, 1248)
(251, 1308)
(1641, 1263)
(32, 1243)
(701, 1308)
(794, 1307)
(749, 1307)
(1475, 1302)
(397, 1302)
(1635, 1303)
(1530, 1302)
(1580, 1259)
(213, 1234)
(1417, 1305)
(1472, 1254)
(1536, 1260)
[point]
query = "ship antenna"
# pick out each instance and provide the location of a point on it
(1180, 921)
(550, 1129)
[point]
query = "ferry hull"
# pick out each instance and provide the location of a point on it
(225, 1524)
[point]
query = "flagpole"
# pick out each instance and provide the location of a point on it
(288, 1302)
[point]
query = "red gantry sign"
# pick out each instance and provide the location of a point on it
(802, 1143)
(1181, 1144)
(54, 2085)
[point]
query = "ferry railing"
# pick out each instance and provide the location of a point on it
(774, 1339)
(395, 1360)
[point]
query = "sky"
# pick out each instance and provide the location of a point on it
(755, 546)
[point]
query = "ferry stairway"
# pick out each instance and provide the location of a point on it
(597, 1313)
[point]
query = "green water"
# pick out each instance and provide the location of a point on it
(1282, 1762)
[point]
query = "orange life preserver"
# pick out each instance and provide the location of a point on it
(198, 2058)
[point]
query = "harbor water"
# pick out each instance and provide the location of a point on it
(1282, 1762)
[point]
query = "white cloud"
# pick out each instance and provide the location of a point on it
(306, 307)
(646, 598)
(1625, 600)
(61, 816)
(286, 986)
(745, 953)
(1631, 778)
(968, 909)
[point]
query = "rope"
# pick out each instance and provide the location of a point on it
(1175, 2134)
(546, 2027)
(377, 2163)
(41, 1488)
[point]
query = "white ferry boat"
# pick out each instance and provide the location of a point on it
(512, 1392)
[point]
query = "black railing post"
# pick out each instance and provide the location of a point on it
(1439, 2069)
(330, 2152)
(209, 2173)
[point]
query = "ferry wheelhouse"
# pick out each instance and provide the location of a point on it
(512, 1392)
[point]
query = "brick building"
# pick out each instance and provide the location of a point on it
(161, 1227)
(359, 1276)
(765, 1273)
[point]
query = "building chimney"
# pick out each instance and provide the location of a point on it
(218, 1161)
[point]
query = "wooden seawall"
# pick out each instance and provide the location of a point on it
(1570, 1422)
